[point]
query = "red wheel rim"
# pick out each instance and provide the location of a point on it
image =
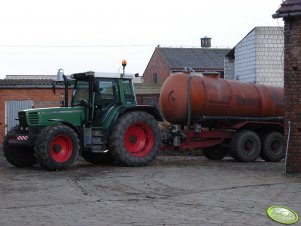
(139, 139)
(61, 148)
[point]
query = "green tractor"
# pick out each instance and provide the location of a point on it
(103, 124)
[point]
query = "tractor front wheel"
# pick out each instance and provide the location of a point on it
(56, 147)
(135, 140)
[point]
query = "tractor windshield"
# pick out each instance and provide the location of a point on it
(80, 92)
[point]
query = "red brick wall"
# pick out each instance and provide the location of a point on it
(292, 86)
(157, 66)
(40, 98)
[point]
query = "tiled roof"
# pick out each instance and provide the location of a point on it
(53, 77)
(289, 8)
(204, 58)
(25, 83)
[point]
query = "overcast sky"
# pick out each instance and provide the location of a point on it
(41, 36)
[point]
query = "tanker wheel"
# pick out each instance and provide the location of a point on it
(56, 147)
(97, 158)
(17, 155)
(273, 149)
(245, 146)
(215, 153)
(135, 140)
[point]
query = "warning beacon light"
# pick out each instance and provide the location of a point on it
(123, 63)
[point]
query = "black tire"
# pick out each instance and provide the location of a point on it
(246, 146)
(273, 148)
(135, 140)
(97, 158)
(56, 147)
(215, 153)
(18, 155)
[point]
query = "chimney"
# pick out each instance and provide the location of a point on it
(206, 42)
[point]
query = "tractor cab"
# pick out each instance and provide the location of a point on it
(100, 93)
(104, 89)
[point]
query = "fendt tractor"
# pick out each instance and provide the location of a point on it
(105, 124)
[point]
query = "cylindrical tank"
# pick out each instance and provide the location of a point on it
(212, 96)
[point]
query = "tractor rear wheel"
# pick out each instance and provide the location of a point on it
(17, 155)
(135, 140)
(56, 147)
(245, 146)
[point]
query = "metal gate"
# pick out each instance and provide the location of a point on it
(11, 111)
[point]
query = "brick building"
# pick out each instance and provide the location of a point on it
(258, 57)
(290, 11)
(165, 61)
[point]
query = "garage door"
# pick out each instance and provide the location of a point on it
(11, 111)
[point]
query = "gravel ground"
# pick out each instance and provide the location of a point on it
(173, 190)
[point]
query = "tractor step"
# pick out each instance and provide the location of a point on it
(94, 140)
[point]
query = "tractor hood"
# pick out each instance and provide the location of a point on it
(52, 116)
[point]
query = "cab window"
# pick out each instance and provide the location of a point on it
(108, 92)
(128, 92)
(80, 92)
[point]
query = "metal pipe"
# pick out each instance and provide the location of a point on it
(235, 118)
(287, 143)
(192, 73)
(66, 90)
(91, 104)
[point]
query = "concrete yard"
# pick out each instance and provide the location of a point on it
(173, 190)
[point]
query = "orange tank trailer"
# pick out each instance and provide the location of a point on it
(212, 96)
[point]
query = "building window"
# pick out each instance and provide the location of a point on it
(155, 78)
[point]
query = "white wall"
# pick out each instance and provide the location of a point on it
(269, 56)
(259, 57)
(245, 59)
